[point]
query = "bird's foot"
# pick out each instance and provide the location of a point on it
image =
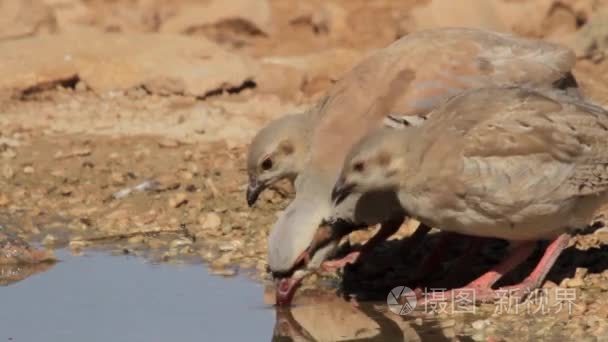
(333, 265)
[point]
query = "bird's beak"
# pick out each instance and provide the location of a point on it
(254, 189)
(341, 191)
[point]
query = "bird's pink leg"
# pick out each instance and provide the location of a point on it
(538, 275)
(483, 284)
(386, 230)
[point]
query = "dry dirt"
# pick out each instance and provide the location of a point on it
(124, 124)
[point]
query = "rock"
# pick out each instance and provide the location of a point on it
(4, 200)
(311, 73)
(135, 240)
(572, 283)
(28, 169)
(250, 17)
(466, 13)
(224, 272)
(231, 246)
(226, 229)
(324, 18)
(580, 272)
(526, 18)
(480, 324)
(181, 242)
(49, 240)
(168, 143)
(78, 244)
(7, 172)
(16, 251)
(178, 200)
(23, 18)
(210, 221)
(9, 154)
(110, 62)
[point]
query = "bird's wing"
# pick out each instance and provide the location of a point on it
(519, 146)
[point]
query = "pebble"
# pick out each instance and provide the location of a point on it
(78, 244)
(4, 201)
(168, 143)
(447, 323)
(49, 240)
(224, 272)
(580, 272)
(134, 240)
(9, 154)
(178, 200)
(181, 242)
(226, 229)
(480, 324)
(7, 172)
(231, 246)
(210, 221)
(28, 169)
(574, 282)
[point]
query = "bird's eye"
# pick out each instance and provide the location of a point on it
(359, 167)
(267, 164)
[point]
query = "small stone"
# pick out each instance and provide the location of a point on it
(7, 172)
(78, 244)
(447, 323)
(210, 221)
(9, 154)
(222, 261)
(225, 272)
(231, 246)
(4, 201)
(81, 86)
(580, 272)
(575, 282)
(181, 242)
(168, 143)
(28, 169)
(49, 240)
(58, 173)
(480, 324)
(478, 337)
(226, 229)
(135, 240)
(186, 175)
(178, 200)
(117, 178)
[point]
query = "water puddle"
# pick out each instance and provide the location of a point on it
(98, 297)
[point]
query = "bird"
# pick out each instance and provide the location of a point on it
(278, 151)
(397, 85)
(514, 163)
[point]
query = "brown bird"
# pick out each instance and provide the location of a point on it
(511, 163)
(408, 78)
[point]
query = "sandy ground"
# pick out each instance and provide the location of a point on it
(124, 124)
